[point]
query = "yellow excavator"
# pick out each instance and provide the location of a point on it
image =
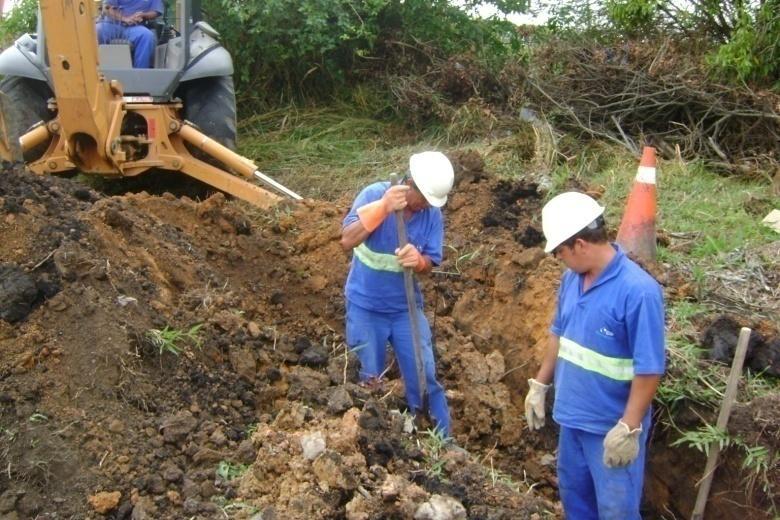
(69, 104)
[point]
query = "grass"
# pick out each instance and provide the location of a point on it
(228, 471)
(322, 152)
(693, 201)
(690, 377)
(172, 340)
(757, 461)
(433, 445)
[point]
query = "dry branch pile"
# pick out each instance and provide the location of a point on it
(633, 94)
(649, 93)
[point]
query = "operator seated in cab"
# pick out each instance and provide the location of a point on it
(123, 20)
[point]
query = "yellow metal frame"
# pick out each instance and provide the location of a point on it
(86, 134)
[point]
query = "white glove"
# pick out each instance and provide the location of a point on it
(534, 404)
(621, 445)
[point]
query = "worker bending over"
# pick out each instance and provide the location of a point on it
(606, 357)
(376, 302)
(123, 20)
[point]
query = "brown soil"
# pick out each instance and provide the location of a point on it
(91, 407)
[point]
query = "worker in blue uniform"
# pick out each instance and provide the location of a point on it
(123, 20)
(376, 305)
(605, 356)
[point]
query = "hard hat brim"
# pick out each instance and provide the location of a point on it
(548, 248)
(436, 202)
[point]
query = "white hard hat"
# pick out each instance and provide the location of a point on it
(433, 175)
(567, 214)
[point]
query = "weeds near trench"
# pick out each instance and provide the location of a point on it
(757, 460)
(460, 260)
(433, 445)
(250, 430)
(499, 477)
(8, 434)
(690, 378)
(704, 438)
(37, 417)
(228, 507)
(228, 471)
(170, 340)
(693, 380)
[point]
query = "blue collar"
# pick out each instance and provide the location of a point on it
(610, 271)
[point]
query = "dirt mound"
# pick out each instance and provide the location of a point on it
(151, 336)
(167, 358)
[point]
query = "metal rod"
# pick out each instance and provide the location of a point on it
(268, 180)
(411, 303)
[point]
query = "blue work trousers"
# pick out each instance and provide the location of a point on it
(591, 490)
(368, 333)
(142, 40)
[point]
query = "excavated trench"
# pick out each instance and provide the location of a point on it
(261, 415)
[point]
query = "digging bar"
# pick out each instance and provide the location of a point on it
(411, 303)
(723, 419)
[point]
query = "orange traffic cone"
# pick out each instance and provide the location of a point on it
(637, 229)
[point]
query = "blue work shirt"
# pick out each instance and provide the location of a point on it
(607, 335)
(130, 7)
(376, 281)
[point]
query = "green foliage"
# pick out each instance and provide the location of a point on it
(584, 17)
(633, 18)
(461, 259)
(498, 477)
(452, 30)
(170, 340)
(8, 435)
(752, 54)
(291, 49)
(705, 438)
(757, 459)
(21, 19)
(741, 39)
(687, 381)
(250, 430)
(433, 445)
(282, 43)
(228, 471)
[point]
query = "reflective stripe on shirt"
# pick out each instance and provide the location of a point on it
(377, 261)
(620, 369)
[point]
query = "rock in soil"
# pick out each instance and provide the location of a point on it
(18, 292)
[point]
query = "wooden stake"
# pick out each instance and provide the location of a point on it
(723, 419)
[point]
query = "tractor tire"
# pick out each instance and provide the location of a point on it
(25, 104)
(210, 103)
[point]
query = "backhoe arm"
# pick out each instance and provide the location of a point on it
(83, 95)
(99, 130)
